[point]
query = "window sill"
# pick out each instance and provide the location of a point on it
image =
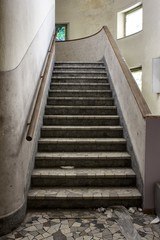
(131, 35)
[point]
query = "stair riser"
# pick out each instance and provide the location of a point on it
(82, 203)
(80, 122)
(80, 74)
(77, 65)
(79, 80)
(78, 147)
(82, 163)
(80, 94)
(81, 133)
(79, 87)
(82, 181)
(78, 69)
(68, 102)
(80, 111)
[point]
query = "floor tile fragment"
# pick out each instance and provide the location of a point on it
(99, 224)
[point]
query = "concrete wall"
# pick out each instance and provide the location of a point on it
(26, 28)
(95, 49)
(142, 127)
(88, 17)
(84, 17)
(151, 39)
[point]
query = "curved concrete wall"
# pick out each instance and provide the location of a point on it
(16, 97)
(95, 48)
(20, 22)
(87, 17)
(142, 127)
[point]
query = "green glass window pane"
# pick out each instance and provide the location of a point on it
(61, 33)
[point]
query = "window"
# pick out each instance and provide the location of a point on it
(129, 21)
(61, 30)
(137, 74)
(133, 21)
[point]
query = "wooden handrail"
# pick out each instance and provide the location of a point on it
(133, 86)
(40, 90)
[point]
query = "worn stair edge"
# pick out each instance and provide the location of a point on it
(82, 77)
(85, 193)
(79, 67)
(83, 159)
(84, 155)
(83, 177)
(78, 62)
(84, 172)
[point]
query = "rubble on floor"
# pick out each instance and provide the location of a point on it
(115, 223)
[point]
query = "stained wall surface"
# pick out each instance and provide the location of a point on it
(84, 17)
(26, 28)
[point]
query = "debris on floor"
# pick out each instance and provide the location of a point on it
(116, 223)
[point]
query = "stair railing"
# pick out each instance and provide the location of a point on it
(133, 86)
(40, 90)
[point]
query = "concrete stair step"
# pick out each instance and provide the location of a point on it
(79, 64)
(80, 101)
(83, 197)
(80, 110)
(78, 69)
(81, 120)
(112, 177)
(80, 93)
(80, 86)
(75, 79)
(82, 131)
(81, 144)
(82, 159)
(80, 72)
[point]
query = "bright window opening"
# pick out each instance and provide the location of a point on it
(133, 21)
(61, 30)
(129, 21)
(137, 74)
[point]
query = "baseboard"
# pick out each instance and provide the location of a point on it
(9, 223)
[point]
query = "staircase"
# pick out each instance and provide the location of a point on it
(82, 161)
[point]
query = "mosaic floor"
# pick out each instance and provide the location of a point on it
(115, 223)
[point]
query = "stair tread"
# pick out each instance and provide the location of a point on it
(77, 62)
(82, 127)
(82, 140)
(81, 91)
(84, 84)
(83, 107)
(85, 172)
(79, 77)
(79, 72)
(84, 192)
(83, 155)
(84, 116)
(92, 67)
(81, 98)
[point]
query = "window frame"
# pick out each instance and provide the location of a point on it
(125, 18)
(66, 30)
(136, 69)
